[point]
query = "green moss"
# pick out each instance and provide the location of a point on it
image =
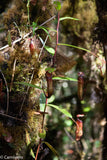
(82, 30)
(26, 66)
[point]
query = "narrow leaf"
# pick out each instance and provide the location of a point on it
(69, 45)
(64, 111)
(64, 18)
(51, 148)
(51, 99)
(43, 28)
(41, 40)
(50, 50)
(65, 78)
(51, 29)
(28, 143)
(28, 84)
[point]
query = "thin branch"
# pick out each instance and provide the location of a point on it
(26, 35)
(17, 28)
(6, 46)
(26, 94)
(7, 91)
(50, 19)
(38, 149)
(6, 115)
(72, 139)
(43, 46)
(14, 68)
(67, 133)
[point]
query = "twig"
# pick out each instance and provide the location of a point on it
(6, 46)
(43, 46)
(17, 28)
(38, 149)
(7, 91)
(14, 68)
(76, 146)
(6, 115)
(26, 35)
(50, 19)
(69, 135)
(25, 95)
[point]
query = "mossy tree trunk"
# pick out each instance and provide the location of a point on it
(19, 124)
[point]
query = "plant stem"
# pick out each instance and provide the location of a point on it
(44, 112)
(14, 68)
(42, 128)
(7, 108)
(38, 149)
(28, 11)
(54, 58)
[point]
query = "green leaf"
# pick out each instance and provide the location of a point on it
(51, 99)
(34, 25)
(42, 133)
(64, 18)
(65, 78)
(51, 29)
(86, 109)
(50, 50)
(28, 143)
(51, 148)
(64, 111)
(43, 28)
(68, 122)
(57, 5)
(28, 84)
(50, 69)
(42, 101)
(41, 40)
(83, 102)
(69, 45)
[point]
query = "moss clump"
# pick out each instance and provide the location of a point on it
(82, 30)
